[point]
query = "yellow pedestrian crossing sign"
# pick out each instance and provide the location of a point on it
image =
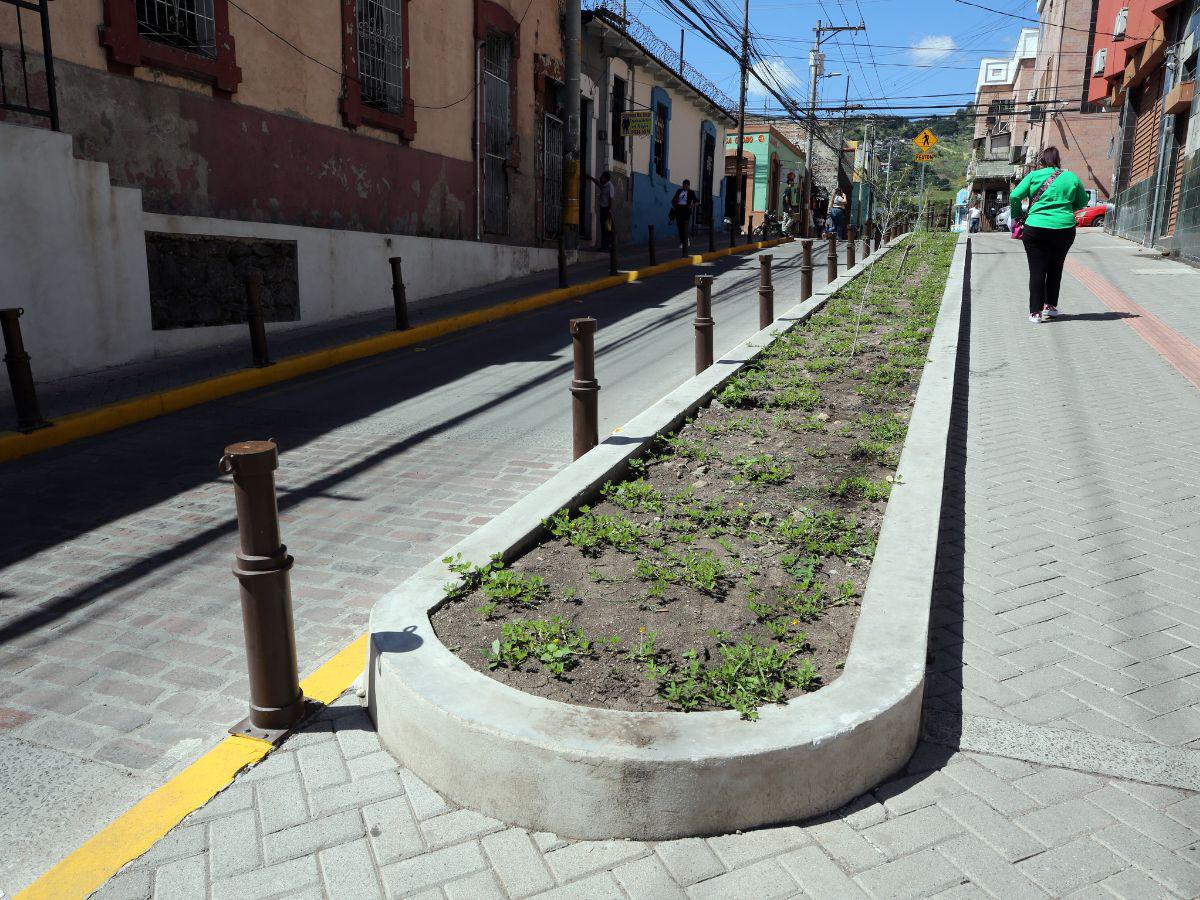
(925, 140)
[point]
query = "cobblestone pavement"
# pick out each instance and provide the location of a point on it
(1061, 694)
(121, 654)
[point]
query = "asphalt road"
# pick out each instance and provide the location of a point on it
(120, 637)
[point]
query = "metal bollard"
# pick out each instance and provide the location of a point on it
(712, 235)
(20, 375)
(262, 569)
(877, 238)
(650, 245)
(866, 240)
(254, 318)
(850, 261)
(750, 228)
(704, 323)
(766, 292)
(400, 295)
(806, 269)
(732, 229)
(562, 259)
(612, 252)
(831, 259)
(585, 412)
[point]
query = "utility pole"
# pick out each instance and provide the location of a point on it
(740, 191)
(816, 63)
(681, 34)
(570, 187)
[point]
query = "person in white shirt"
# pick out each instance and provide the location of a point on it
(605, 194)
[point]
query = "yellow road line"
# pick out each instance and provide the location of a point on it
(134, 832)
(91, 422)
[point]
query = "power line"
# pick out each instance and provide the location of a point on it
(1001, 12)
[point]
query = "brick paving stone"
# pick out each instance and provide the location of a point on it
(349, 872)
(987, 868)
(689, 860)
(480, 886)
(576, 860)
(1082, 862)
(517, 863)
(818, 876)
(736, 850)
(913, 831)
(432, 869)
(918, 875)
(648, 879)
(765, 879)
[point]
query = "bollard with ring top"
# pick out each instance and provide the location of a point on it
(263, 571)
(806, 269)
(850, 247)
(20, 375)
(400, 295)
(704, 323)
(585, 411)
(254, 318)
(766, 292)
(831, 259)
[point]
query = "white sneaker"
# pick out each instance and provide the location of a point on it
(1036, 318)
(1049, 312)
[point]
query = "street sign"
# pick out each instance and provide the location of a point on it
(926, 157)
(637, 122)
(925, 140)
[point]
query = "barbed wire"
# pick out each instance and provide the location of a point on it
(610, 11)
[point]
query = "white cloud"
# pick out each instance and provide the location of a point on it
(775, 74)
(932, 48)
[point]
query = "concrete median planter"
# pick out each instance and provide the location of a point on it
(591, 773)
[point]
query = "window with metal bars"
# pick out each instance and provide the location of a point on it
(185, 24)
(497, 129)
(618, 107)
(380, 26)
(660, 140)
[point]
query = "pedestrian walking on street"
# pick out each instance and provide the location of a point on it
(605, 192)
(975, 217)
(682, 204)
(837, 213)
(1047, 229)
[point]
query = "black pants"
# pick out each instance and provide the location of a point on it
(683, 222)
(606, 227)
(1046, 249)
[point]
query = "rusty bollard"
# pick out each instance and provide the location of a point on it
(831, 259)
(254, 318)
(20, 375)
(850, 261)
(806, 269)
(766, 292)
(562, 260)
(866, 240)
(704, 323)
(585, 411)
(399, 293)
(878, 232)
(650, 245)
(750, 228)
(263, 569)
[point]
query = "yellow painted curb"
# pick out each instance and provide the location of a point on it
(91, 422)
(134, 832)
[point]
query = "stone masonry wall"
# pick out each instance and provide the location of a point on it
(199, 280)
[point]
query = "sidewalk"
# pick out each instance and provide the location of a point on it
(1062, 745)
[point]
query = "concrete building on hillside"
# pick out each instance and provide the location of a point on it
(1060, 113)
(1000, 144)
(1144, 65)
(767, 159)
(649, 122)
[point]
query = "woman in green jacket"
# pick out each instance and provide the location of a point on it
(1049, 229)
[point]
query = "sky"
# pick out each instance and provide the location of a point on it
(910, 50)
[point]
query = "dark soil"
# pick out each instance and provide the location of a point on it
(746, 538)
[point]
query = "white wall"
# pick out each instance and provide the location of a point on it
(73, 254)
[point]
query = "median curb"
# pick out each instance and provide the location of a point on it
(73, 427)
(590, 773)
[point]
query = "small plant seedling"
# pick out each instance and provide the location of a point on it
(761, 469)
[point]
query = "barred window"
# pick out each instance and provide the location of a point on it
(380, 27)
(186, 24)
